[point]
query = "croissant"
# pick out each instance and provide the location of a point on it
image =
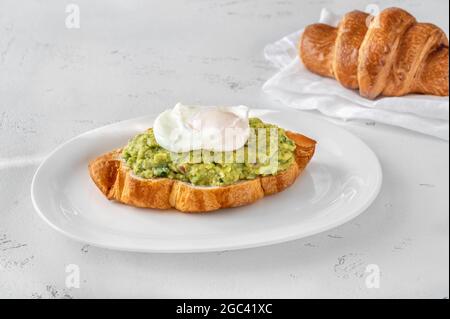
(390, 54)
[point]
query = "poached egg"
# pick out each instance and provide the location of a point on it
(213, 128)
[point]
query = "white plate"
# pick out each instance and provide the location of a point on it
(342, 180)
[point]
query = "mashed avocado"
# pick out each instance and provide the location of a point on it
(147, 159)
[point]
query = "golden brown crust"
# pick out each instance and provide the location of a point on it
(118, 183)
(277, 183)
(434, 73)
(415, 46)
(351, 32)
(316, 48)
(379, 49)
(146, 193)
(390, 54)
(104, 170)
(187, 198)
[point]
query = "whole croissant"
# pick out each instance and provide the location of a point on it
(390, 54)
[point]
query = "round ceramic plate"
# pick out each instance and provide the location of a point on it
(342, 180)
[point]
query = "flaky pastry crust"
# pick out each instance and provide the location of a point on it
(390, 54)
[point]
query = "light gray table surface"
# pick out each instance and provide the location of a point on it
(131, 58)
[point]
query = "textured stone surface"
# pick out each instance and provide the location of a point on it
(130, 58)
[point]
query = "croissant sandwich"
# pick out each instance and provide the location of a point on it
(117, 182)
(147, 174)
(390, 54)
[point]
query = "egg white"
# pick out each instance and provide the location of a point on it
(187, 128)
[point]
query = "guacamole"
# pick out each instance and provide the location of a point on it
(259, 157)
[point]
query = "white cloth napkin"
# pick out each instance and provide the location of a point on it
(296, 87)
